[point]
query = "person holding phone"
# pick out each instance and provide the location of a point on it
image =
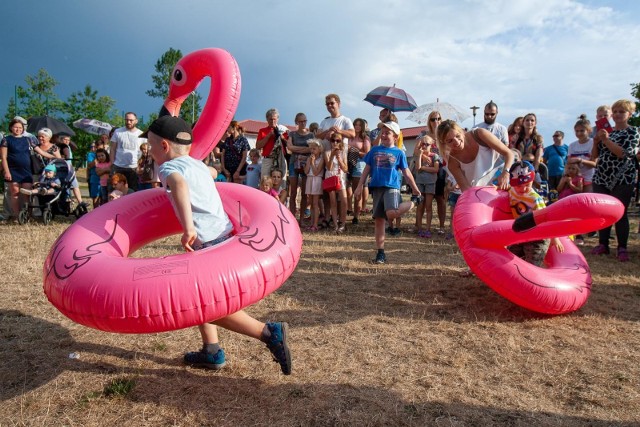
(614, 153)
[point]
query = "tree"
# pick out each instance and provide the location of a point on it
(38, 98)
(164, 67)
(87, 104)
(635, 92)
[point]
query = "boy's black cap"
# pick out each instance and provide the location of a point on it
(170, 128)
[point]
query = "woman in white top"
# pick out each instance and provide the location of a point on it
(473, 157)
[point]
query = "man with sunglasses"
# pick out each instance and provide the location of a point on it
(490, 124)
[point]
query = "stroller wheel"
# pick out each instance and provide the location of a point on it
(23, 216)
(47, 216)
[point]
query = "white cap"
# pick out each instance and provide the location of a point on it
(20, 119)
(393, 126)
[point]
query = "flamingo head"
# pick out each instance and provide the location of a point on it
(185, 78)
(222, 101)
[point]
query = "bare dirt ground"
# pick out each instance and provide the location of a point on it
(407, 343)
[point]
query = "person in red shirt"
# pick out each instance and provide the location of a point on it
(272, 140)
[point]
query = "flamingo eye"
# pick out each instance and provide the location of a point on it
(179, 76)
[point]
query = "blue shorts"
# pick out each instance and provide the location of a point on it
(357, 169)
(292, 171)
(453, 199)
(211, 242)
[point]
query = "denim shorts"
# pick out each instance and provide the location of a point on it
(211, 243)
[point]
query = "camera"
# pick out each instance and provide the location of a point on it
(276, 132)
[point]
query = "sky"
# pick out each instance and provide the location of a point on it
(557, 59)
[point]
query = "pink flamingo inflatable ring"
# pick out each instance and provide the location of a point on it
(483, 229)
(89, 277)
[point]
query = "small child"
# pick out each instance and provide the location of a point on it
(103, 169)
(571, 183)
(254, 169)
(385, 162)
(219, 175)
(120, 186)
(147, 177)
(276, 177)
(524, 202)
(266, 185)
(335, 164)
(314, 169)
(198, 207)
(427, 167)
(46, 185)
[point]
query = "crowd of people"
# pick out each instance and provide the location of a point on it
(326, 172)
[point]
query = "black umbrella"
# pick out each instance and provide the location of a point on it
(34, 124)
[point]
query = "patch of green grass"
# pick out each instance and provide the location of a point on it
(119, 387)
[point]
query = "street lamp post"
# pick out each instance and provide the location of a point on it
(474, 108)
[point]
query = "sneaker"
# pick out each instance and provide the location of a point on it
(426, 234)
(277, 345)
(449, 236)
(341, 228)
(307, 213)
(395, 232)
(441, 232)
(380, 259)
(579, 241)
(416, 200)
(623, 255)
(600, 250)
(355, 221)
(203, 359)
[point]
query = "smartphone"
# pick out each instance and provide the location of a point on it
(603, 123)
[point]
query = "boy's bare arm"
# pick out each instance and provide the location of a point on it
(180, 192)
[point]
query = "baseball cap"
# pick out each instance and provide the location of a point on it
(393, 126)
(171, 128)
(521, 173)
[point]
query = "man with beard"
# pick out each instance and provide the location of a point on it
(125, 149)
(490, 124)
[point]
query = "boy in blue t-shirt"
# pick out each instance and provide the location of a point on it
(387, 164)
(197, 205)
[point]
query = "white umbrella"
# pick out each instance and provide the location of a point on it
(95, 127)
(447, 112)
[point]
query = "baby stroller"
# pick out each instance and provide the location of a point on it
(58, 203)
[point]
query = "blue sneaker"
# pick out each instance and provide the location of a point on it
(277, 345)
(202, 359)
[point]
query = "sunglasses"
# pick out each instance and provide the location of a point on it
(336, 140)
(435, 119)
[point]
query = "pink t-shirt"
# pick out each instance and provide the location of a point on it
(104, 179)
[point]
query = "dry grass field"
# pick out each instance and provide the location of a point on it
(407, 343)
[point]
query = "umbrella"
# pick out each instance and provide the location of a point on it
(92, 126)
(34, 124)
(392, 98)
(447, 112)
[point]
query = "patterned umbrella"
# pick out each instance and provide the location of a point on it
(95, 127)
(392, 98)
(447, 112)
